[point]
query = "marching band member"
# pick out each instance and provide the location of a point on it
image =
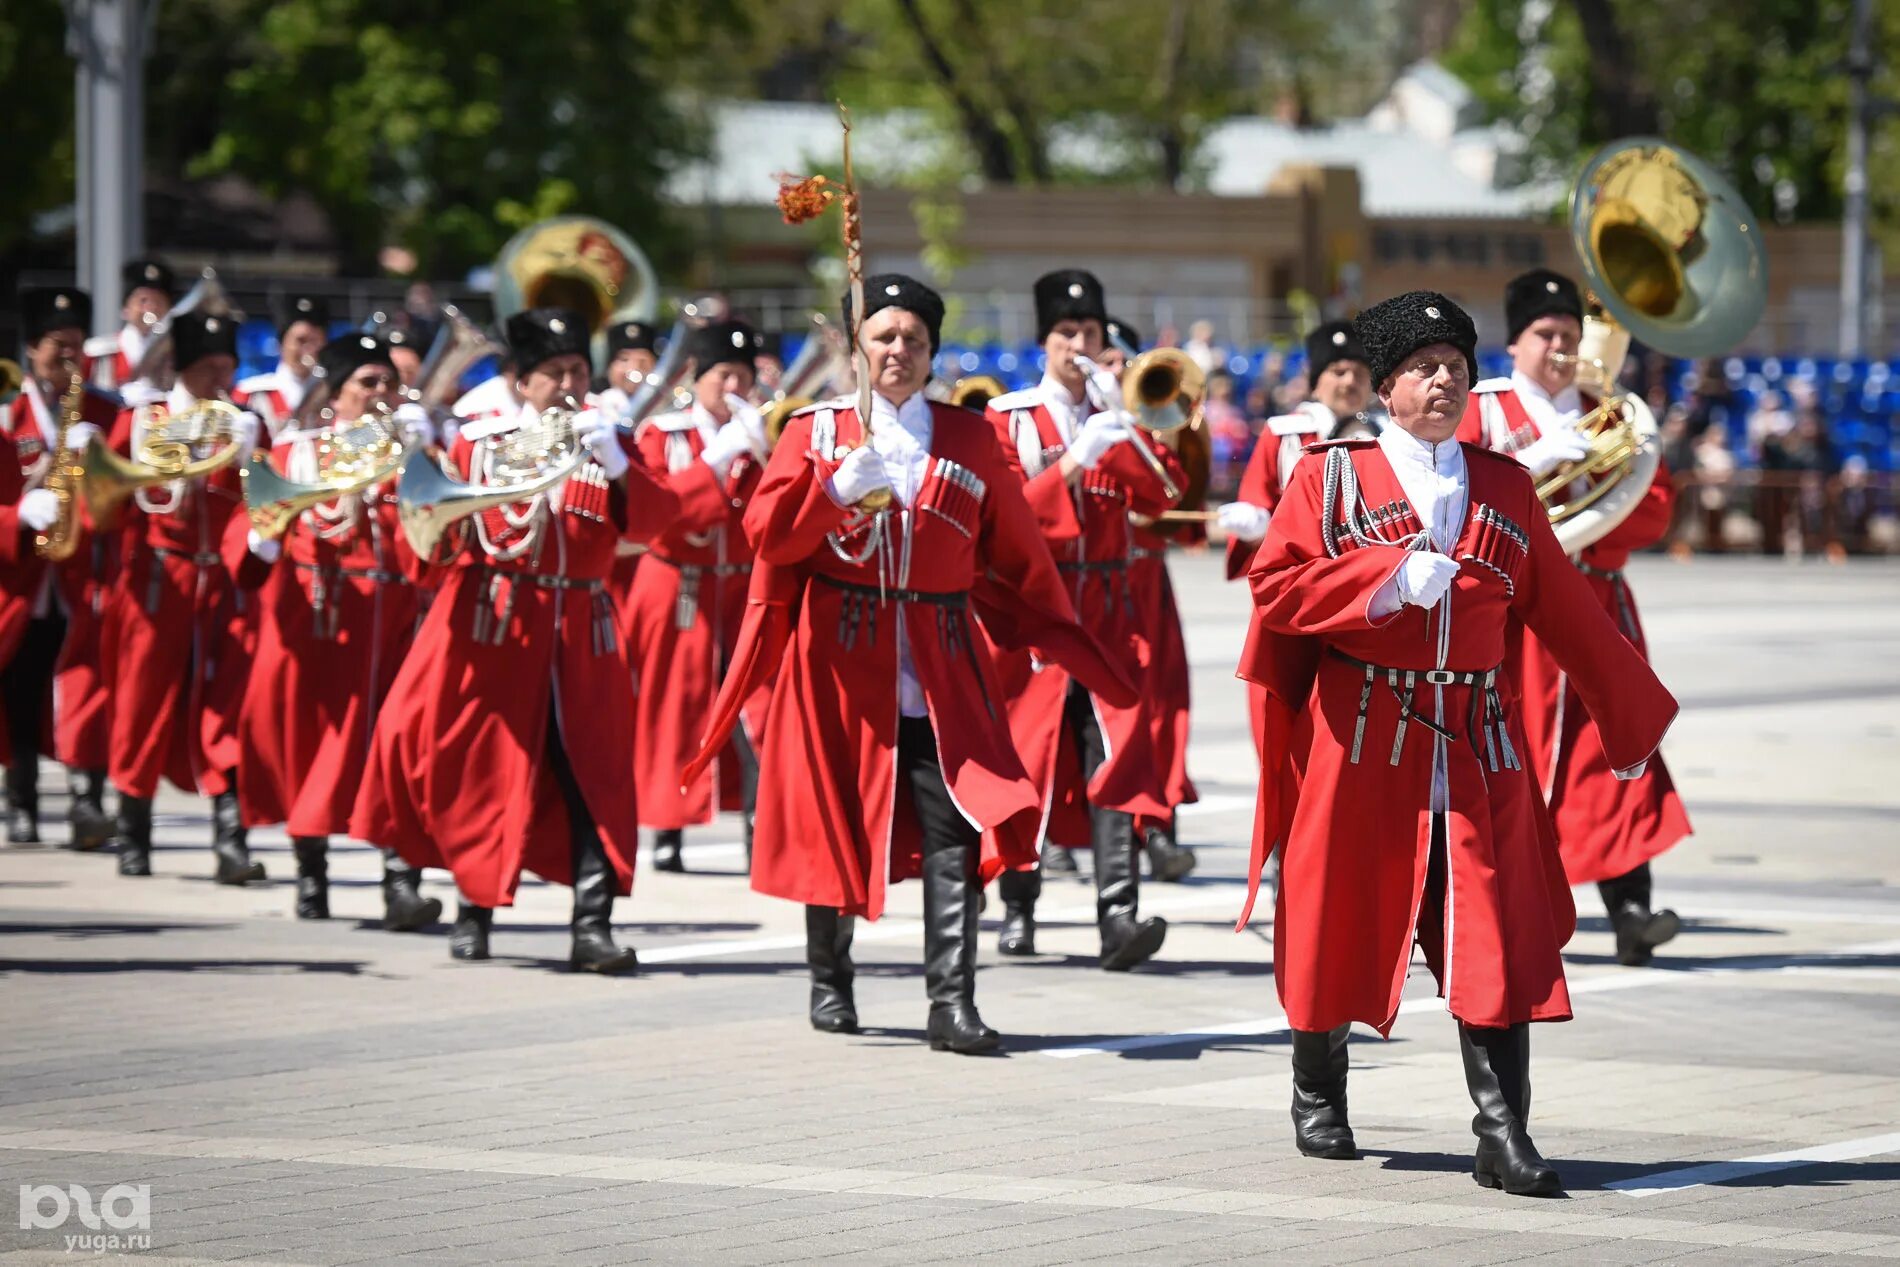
(1383, 593)
(682, 612)
(1165, 690)
(49, 612)
(503, 743)
(887, 754)
(1340, 390)
(633, 349)
(276, 396)
(1083, 476)
(405, 353)
(178, 660)
(149, 290)
(337, 614)
(1608, 828)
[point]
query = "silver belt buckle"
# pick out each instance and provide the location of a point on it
(1440, 677)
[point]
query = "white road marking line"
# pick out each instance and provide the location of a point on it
(1747, 1167)
(1265, 1026)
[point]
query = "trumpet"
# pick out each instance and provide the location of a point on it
(1161, 388)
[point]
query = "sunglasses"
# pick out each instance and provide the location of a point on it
(374, 380)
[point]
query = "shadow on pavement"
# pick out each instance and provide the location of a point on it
(86, 931)
(95, 967)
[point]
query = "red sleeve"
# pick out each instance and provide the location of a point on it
(1048, 494)
(1022, 602)
(1260, 485)
(1147, 487)
(649, 506)
(1648, 523)
(1629, 704)
(1297, 587)
(15, 537)
(703, 500)
(790, 512)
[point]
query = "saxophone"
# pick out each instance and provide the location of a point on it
(63, 478)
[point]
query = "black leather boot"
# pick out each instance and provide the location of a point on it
(404, 907)
(751, 820)
(666, 850)
(23, 802)
(230, 842)
(950, 935)
(1168, 861)
(1058, 860)
(1126, 939)
(1320, 1061)
(135, 835)
(1019, 890)
(1498, 1073)
(593, 942)
(469, 938)
(1638, 929)
(91, 825)
(313, 876)
(828, 953)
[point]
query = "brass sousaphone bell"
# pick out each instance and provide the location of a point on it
(1672, 258)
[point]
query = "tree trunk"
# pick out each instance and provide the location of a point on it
(993, 151)
(1032, 145)
(1624, 104)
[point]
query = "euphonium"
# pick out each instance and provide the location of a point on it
(63, 478)
(523, 464)
(164, 451)
(976, 391)
(350, 458)
(1671, 254)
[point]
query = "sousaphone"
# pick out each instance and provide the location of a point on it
(1672, 258)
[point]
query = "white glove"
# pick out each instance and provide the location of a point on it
(265, 548)
(1424, 577)
(245, 430)
(747, 414)
(858, 476)
(1552, 450)
(598, 432)
(415, 424)
(38, 509)
(81, 434)
(727, 446)
(1243, 520)
(1099, 434)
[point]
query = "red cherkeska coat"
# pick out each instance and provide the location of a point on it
(833, 828)
(82, 719)
(1352, 883)
(336, 614)
(1166, 688)
(174, 632)
(680, 618)
(1606, 826)
(457, 775)
(1085, 525)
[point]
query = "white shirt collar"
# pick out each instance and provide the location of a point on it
(1433, 479)
(292, 385)
(1067, 410)
(1547, 411)
(178, 400)
(132, 341)
(42, 412)
(703, 422)
(913, 415)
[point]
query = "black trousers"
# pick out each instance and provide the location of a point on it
(582, 831)
(25, 685)
(748, 770)
(942, 824)
(1111, 830)
(1431, 907)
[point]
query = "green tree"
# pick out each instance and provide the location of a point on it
(36, 128)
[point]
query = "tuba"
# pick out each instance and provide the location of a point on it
(1670, 257)
(578, 263)
(524, 463)
(976, 391)
(172, 449)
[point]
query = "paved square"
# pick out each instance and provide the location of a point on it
(330, 1093)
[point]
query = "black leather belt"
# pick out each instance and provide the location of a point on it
(1486, 711)
(951, 598)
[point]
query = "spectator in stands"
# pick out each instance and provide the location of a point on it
(1200, 347)
(1714, 471)
(1229, 437)
(1769, 423)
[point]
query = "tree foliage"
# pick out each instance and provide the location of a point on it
(1756, 87)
